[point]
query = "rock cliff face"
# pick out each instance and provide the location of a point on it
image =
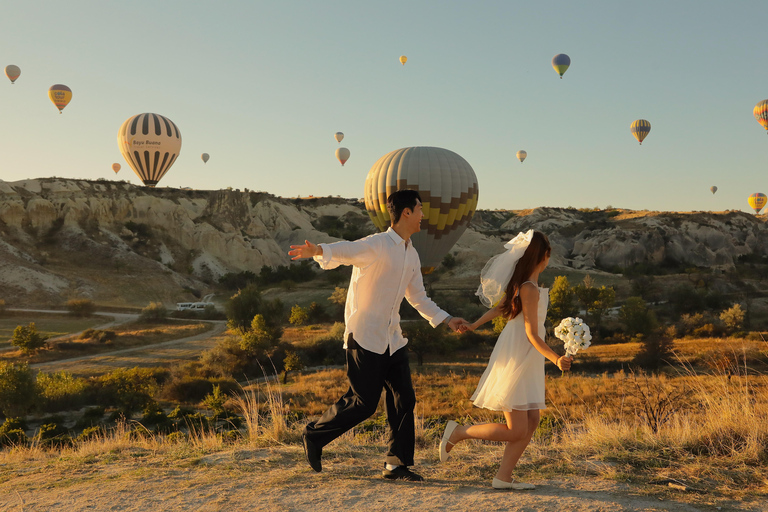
(121, 244)
(64, 238)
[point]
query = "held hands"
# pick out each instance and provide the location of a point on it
(307, 250)
(465, 327)
(456, 324)
(564, 363)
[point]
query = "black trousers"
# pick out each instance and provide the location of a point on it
(370, 373)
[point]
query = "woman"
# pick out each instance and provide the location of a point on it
(513, 382)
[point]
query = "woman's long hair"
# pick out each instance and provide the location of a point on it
(539, 248)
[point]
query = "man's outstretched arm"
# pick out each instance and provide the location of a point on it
(308, 250)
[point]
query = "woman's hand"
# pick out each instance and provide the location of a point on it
(564, 363)
(466, 326)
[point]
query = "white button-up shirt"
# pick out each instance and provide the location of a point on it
(386, 268)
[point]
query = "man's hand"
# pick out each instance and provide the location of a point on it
(455, 323)
(308, 250)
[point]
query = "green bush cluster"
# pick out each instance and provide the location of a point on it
(154, 312)
(81, 307)
(27, 338)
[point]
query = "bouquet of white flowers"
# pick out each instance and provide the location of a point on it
(575, 334)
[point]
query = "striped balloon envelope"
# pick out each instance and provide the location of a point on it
(761, 113)
(757, 201)
(150, 143)
(640, 129)
(521, 155)
(448, 189)
(60, 95)
(12, 72)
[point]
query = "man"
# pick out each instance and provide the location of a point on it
(386, 269)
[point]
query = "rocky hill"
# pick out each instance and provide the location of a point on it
(120, 244)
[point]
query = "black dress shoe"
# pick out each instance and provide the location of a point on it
(401, 473)
(313, 453)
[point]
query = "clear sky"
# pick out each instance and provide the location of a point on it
(263, 86)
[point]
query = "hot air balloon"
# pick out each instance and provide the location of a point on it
(343, 155)
(521, 155)
(757, 201)
(640, 129)
(12, 72)
(448, 188)
(338, 136)
(150, 143)
(60, 96)
(205, 157)
(761, 113)
(403, 59)
(116, 167)
(713, 189)
(561, 62)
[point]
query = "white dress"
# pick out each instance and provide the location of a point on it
(514, 378)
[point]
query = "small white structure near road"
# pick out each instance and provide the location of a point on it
(196, 306)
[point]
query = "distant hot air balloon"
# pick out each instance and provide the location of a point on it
(761, 113)
(60, 96)
(403, 59)
(150, 143)
(521, 155)
(12, 72)
(561, 62)
(343, 155)
(713, 189)
(205, 157)
(757, 201)
(338, 136)
(116, 167)
(640, 129)
(448, 188)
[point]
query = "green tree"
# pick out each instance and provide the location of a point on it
(129, 389)
(215, 400)
(636, 317)
(291, 363)
(339, 298)
(423, 339)
(595, 301)
(18, 389)
(27, 338)
(261, 336)
(561, 300)
(242, 307)
(299, 315)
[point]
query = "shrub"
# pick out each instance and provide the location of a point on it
(154, 312)
(449, 261)
(316, 313)
(12, 432)
(260, 336)
(326, 349)
(299, 315)
(733, 317)
(292, 362)
(90, 418)
(176, 437)
(339, 298)
(194, 389)
(53, 435)
(2, 306)
(215, 400)
(89, 433)
(61, 390)
(81, 307)
(27, 338)
(129, 389)
(18, 390)
(656, 349)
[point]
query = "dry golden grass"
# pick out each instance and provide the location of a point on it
(47, 324)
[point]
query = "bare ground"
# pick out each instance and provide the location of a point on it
(278, 478)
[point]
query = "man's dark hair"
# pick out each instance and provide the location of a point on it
(399, 201)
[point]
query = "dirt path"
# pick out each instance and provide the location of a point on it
(278, 479)
(147, 355)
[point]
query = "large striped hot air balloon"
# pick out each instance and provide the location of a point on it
(561, 62)
(12, 72)
(640, 129)
(448, 188)
(757, 201)
(60, 95)
(761, 113)
(521, 155)
(150, 143)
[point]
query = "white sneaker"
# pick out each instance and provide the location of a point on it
(515, 486)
